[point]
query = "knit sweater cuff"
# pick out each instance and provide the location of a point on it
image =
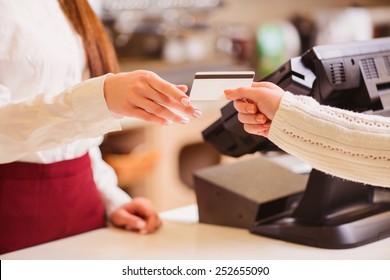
(335, 141)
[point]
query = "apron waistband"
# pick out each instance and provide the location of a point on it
(32, 171)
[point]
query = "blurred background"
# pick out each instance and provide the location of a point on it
(177, 38)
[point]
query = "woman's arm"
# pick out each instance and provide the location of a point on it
(350, 145)
(87, 110)
(45, 121)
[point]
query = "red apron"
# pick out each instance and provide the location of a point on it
(45, 202)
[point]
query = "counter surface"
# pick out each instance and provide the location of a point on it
(182, 237)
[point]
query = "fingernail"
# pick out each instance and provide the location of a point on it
(185, 101)
(140, 224)
(168, 122)
(251, 109)
(185, 120)
(260, 119)
(197, 113)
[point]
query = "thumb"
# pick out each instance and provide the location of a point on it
(247, 93)
(264, 84)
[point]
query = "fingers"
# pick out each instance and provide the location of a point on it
(183, 88)
(248, 113)
(254, 121)
(122, 218)
(257, 124)
(144, 208)
(258, 129)
(245, 107)
(250, 93)
(265, 96)
(143, 94)
(153, 111)
(252, 118)
(138, 215)
(148, 97)
(148, 117)
(165, 87)
(171, 95)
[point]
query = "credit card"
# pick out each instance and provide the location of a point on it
(211, 85)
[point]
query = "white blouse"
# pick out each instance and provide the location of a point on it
(49, 110)
(349, 145)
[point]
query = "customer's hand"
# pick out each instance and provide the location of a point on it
(256, 106)
(144, 95)
(138, 215)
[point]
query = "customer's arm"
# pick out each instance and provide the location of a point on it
(349, 145)
(345, 144)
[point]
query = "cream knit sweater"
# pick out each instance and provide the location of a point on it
(349, 145)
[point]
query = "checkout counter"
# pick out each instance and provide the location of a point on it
(183, 237)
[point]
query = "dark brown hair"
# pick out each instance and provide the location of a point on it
(98, 48)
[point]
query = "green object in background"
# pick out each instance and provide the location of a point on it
(271, 48)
